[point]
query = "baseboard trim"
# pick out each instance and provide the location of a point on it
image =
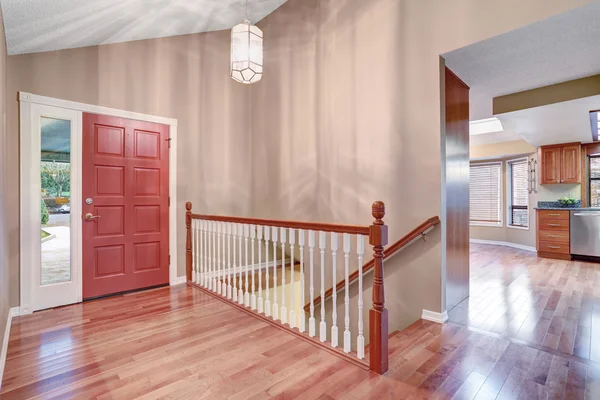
(4, 351)
(178, 281)
(433, 316)
(507, 244)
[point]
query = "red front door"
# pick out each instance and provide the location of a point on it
(125, 205)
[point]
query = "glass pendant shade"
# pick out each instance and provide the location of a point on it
(246, 53)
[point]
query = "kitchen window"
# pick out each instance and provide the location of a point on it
(594, 181)
(518, 193)
(485, 197)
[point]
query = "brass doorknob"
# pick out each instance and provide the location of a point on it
(90, 217)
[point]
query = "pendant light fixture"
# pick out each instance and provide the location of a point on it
(246, 52)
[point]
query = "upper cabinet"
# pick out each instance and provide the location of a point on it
(560, 163)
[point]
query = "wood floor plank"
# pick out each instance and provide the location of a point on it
(181, 343)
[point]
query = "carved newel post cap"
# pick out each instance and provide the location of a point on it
(188, 206)
(378, 210)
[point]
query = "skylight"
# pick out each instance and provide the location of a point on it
(488, 125)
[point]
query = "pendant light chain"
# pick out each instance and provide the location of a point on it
(247, 17)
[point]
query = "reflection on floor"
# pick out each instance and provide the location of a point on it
(181, 343)
(549, 304)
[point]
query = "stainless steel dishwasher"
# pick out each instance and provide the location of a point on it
(585, 232)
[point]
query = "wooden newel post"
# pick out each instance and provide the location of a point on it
(188, 241)
(378, 315)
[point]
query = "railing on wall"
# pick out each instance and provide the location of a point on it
(261, 265)
(420, 232)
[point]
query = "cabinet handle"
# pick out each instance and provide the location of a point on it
(553, 236)
(554, 247)
(554, 225)
(554, 215)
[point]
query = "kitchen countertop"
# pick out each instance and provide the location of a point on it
(568, 208)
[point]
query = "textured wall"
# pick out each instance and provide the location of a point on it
(184, 77)
(348, 112)
(4, 300)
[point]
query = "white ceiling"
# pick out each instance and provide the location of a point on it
(564, 122)
(558, 49)
(43, 25)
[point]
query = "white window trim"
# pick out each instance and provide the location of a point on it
(491, 224)
(27, 180)
(509, 197)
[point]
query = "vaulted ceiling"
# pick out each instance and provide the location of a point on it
(44, 25)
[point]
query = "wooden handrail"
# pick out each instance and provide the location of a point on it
(388, 252)
(339, 228)
(378, 238)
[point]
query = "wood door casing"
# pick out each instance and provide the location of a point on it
(457, 189)
(570, 169)
(125, 173)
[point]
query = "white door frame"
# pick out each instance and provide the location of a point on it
(30, 196)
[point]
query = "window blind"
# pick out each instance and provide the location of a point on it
(519, 212)
(485, 193)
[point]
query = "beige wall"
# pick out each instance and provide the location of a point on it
(349, 112)
(185, 77)
(501, 150)
(4, 301)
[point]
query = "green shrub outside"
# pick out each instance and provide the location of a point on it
(45, 215)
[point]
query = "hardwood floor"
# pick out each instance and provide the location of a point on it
(550, 304)
(181, 343)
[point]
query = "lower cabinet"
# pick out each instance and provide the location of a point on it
(553, 237)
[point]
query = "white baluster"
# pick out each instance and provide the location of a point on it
(360, 340)
(223, 260)
(275, 305)
(267, 300)
(323, 324)
(302, 314)
(253, 288)
(200, 253)
(219, 234)
(205, 266)
(347, 337)
(259, 234)
(234, 292)
(292, 291)
(229, 260)
(213, 282)
(311, 320)
(246, 292)
(240, 287)
(194, 229)
(284, 314)
(334, 328)
(206, 254)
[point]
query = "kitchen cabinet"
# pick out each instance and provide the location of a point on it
(560, 163)
(553, 237)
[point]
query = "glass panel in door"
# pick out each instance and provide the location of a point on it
(55, 169)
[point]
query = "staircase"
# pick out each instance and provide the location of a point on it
(248, 263)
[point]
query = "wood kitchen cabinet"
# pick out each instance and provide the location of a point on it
(553, 236)
(560, 163)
